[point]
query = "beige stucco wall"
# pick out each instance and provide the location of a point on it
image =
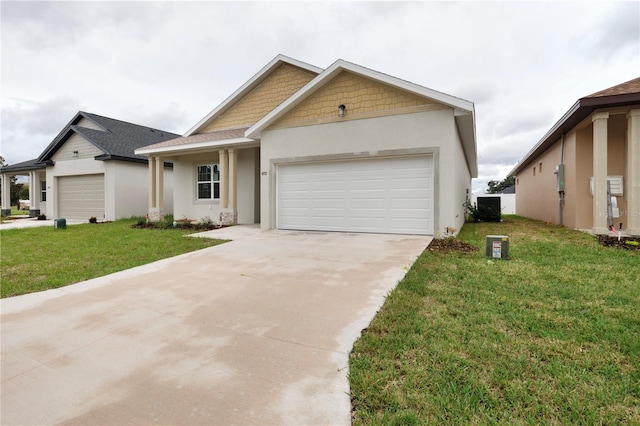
(417, 133)
(363, 98)
(537, 195)
(127, 189)
(184, 176)
(283, 82)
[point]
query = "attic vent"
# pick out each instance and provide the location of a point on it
(616, 185)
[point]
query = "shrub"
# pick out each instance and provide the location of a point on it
(482, 213)
(93, 219)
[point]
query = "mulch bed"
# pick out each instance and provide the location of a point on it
(626, 243)
(448, 245)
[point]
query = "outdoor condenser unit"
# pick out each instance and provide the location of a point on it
(497, 247)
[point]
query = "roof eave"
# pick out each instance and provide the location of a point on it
(199, 146)
(578, 112)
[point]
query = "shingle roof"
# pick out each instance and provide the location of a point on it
(219, 135)
(119, 140)
(23, 166)
(626, 88)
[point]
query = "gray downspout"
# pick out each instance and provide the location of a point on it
(561, 193)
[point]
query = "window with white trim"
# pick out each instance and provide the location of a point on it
(43, 191)
(208, 182)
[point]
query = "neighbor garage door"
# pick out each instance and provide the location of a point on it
(81, 197)
(387, 195)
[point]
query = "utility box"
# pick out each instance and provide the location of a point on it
(497, 247)
(60, 223)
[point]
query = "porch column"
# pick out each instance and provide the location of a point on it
(224, 179)
(152, 183)
(633, 172)
(34, 194)
(600, 120)
(159, 186)
(6, 194)
(233, 179)
(156, 188)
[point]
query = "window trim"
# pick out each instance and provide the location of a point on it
(215, 170)
(43, 191)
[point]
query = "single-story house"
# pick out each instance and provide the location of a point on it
(344, 148)
(90, 170)
(585, 172)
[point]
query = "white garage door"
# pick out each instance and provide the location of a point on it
(387, 195)
(81, 197)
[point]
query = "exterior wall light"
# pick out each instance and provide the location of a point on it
(75, 153)
(341, 110)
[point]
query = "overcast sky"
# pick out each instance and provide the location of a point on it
(168, 64)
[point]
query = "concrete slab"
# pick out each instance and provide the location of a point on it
(254, 331)
(32, 223)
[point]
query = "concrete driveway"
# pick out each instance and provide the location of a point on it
(254, 331)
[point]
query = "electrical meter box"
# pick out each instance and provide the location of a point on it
(498, 247)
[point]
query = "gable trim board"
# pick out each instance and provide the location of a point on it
(389, 123)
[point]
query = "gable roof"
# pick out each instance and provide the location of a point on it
(254, 81)
(200, 141)
(464, 111)
(118, 140)
(627, 93)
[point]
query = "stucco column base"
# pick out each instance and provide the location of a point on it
(155, 215)
(228, 217)
(34, 213)
(6, 212)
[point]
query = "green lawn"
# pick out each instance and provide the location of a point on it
(35, 259)
(549, 337)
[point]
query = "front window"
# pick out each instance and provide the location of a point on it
(43, 190)
(208, 182)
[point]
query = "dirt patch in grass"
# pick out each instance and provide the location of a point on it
(450, 244)
(627, 243)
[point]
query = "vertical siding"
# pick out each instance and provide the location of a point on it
(76, 143)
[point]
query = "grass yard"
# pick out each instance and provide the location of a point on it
(35, 259)
(549, 337)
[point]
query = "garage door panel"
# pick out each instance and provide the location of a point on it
(81, 197)
(391, 195)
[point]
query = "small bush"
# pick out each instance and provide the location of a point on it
(93, 219)
(42, 216)
(482, 213)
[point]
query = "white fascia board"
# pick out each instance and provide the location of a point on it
(460, 105)
(237, 142)
(249, 85)
(523, 162)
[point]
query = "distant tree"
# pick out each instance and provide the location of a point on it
(24, 192)
(496, 186)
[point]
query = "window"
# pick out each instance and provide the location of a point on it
(43, 190)
(540, 168)
(208, 182)
(534, 170)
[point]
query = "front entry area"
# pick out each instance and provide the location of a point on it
(392, 195)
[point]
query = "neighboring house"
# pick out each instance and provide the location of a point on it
(90, 170)
(596, 141)
(340, 149)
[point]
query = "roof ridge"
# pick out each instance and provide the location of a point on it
(125, 122)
